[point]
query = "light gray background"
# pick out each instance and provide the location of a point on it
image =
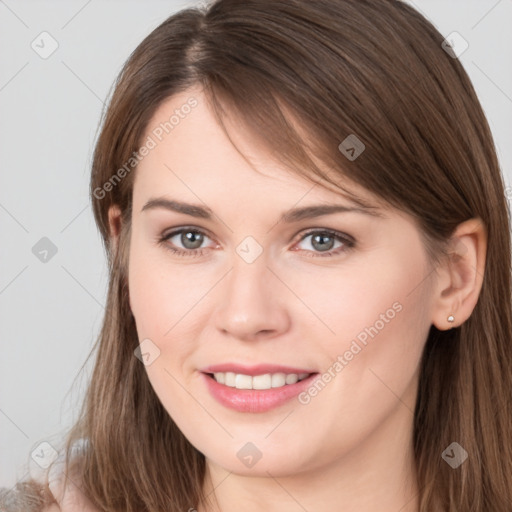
(50, 108)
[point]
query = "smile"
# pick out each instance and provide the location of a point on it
(265, 381)
(255, 389)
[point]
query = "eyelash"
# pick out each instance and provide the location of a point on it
(348, 242)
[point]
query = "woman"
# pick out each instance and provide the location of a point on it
(240, 362)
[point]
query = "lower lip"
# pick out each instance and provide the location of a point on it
(255, 400)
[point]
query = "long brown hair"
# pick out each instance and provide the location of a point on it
(375, 69)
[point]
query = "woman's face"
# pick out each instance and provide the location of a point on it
(262, 301)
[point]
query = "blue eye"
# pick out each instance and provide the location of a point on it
(192, 238)
(188, 237)
(325, 239)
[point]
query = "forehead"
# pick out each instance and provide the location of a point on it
(190, 155)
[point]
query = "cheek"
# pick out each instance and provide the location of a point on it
(372, 315)
(160, 312)
(381, 324)
(168, 304)
(377, 295)
(158, 294)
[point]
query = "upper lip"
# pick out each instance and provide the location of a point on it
(259, 369)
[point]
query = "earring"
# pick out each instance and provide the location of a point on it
(451, 318)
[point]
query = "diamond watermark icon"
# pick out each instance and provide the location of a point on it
(44, 250)
(454, 455)
(44, 45)
(454, 45)
(147, 352)
(249, 249)
(352, 147)
(249, 454)
(44, 454)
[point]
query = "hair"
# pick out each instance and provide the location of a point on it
(375, 69)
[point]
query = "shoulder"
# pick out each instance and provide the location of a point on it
(52, 491)
(67, 490)
(27, 496)
(34, 495)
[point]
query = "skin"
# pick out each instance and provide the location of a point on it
(351, 445)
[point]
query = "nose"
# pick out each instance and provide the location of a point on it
(252, 303)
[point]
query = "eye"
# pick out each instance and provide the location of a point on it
(191, 240)
(322, 242)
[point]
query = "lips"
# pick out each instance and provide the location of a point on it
(255, 388)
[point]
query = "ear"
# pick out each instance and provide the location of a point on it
(115, 224)
(461, 275)
(114, 221)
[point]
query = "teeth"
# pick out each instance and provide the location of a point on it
(229, 379)
(262, 381)
(292, 378)
(243, 381)
(278, 380)
(266, 381)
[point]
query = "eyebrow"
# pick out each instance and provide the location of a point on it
(292, 215)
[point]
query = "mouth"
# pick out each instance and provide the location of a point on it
(256, 389)
(260, 382)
